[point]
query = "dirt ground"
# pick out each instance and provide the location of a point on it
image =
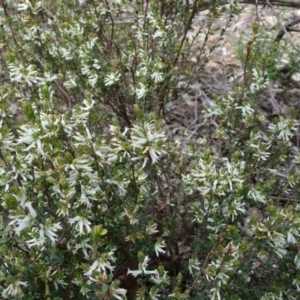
(224, 66)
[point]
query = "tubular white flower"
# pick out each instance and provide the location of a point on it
(154, 154)
(31, 210)
(142, 269)
(84, 246)
(134, 273)
(283, 129)
(21, 224)
(157, 77)
(24, 6)
(233, 209)
(39, 242)
(99, 265)
(146, 138)
(131, 216)
(297, 260)
(193, 264)
(50, 231)
(14, 289)
(158, 247)
(6, 140)
(119, 291)
(112, 78)
(157, 279)
(21, 73)
(256, 196)
(158, 33)
(81, 222)
(141, 92)
(151, 229)
(32, 136)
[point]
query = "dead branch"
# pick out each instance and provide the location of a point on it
(288, 3)
(288, 27)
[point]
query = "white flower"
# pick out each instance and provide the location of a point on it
(158, 34)
(119, 291)
(142, 268)
(152, 19)
(85, 70)
(141, 92)
(296, 282)
(49, 77)
(21, 224)
(84, 246)
(22, 7)
(6, 140)
(88, 105)
(158, 247)
(49, 230)
(15, 73)
(99, 265)
(134, 273)
(83, 139)
(259, 81)
(14, 289)
(39, 242)
(93, 79)
(84, 199)
(157, 279)
(259, 153)
(151, 229)
(32, 137)
(215, 294)
(193, 264)
(233, 209)
(80, 223)
(112, 78)
(19, 73)
(154, 295)
(157, 77)
(291, 235)
(139, 35)
(246, 109)
(131, 216)
(145, 137)
(67, 53)
(297, 260)
(283, 129)
(31, 210)
(256, 196)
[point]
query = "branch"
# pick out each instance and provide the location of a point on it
(289, 3)
(288, 26)
(283, 28)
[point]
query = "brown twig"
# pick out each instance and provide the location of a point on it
(282, 26)
(287, 28)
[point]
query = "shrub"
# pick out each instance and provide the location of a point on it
(98, 201)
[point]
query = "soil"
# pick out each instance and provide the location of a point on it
(224, 67)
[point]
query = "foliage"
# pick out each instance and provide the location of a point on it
(90, 182)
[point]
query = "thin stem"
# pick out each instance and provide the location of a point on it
(203, 266)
